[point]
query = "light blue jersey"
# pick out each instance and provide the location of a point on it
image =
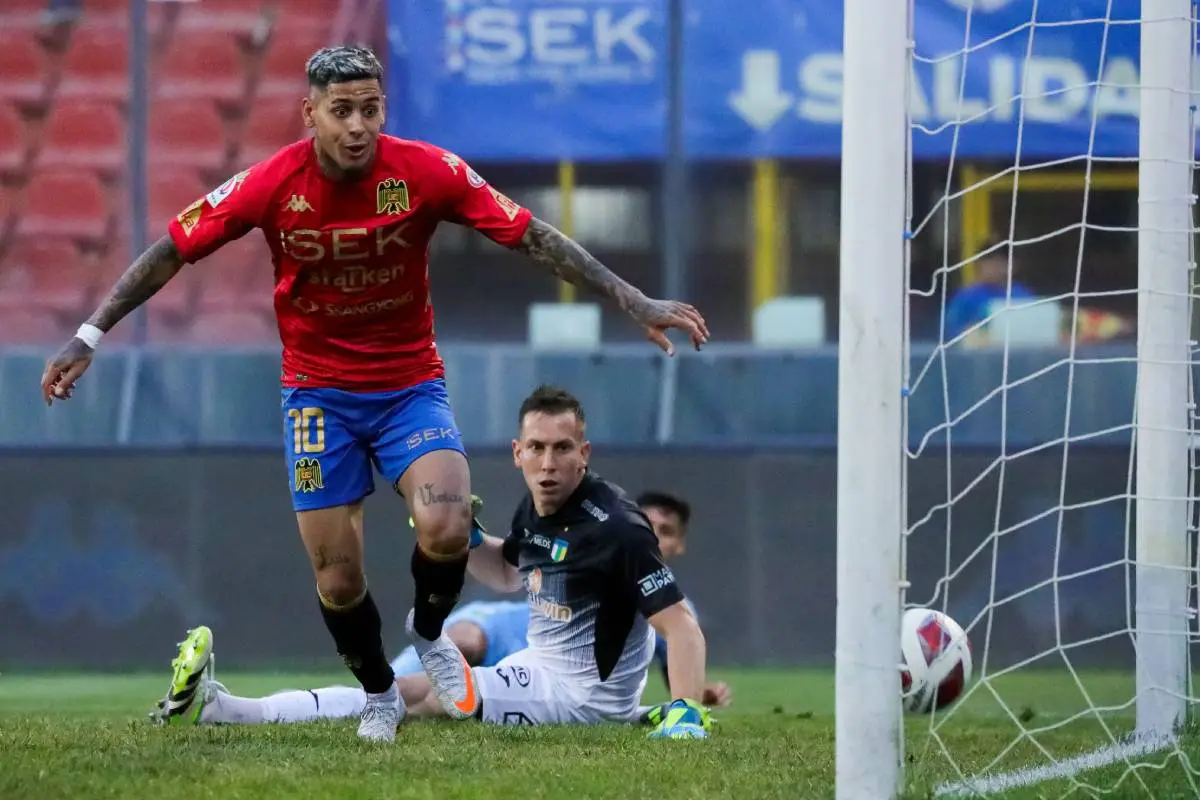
(504, 625)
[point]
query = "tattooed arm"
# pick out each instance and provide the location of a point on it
(149, 273)
(145, 276)
(566, 259)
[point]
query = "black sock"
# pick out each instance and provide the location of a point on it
(439, 584)
(358, 634)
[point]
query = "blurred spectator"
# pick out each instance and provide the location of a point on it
(969, 304)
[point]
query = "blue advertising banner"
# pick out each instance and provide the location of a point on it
(539, 80)
(587, 79)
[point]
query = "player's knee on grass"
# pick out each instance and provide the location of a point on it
(334, 544)
(470, 639)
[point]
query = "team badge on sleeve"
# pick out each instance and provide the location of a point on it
(392, 196)
(189, 218)
(511, 209)
(475, 179)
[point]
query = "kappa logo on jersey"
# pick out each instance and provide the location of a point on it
(308, 475)
(392, 196)
(221, 193)
(597, 512)
(510, 208)
(452, 161)
(189, 218)
(655, 581)
(298, 203)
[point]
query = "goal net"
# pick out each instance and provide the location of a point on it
(1016, 293)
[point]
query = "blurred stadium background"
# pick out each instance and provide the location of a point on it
(701, 166)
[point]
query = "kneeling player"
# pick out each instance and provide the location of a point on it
(597, 591)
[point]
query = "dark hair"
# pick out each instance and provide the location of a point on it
(667, 502)
(549, 399)
(342, 64)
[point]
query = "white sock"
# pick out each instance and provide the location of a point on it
(331, 702)
(233, 710)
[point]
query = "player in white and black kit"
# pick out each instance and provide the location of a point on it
(597, 587)
(597, 590)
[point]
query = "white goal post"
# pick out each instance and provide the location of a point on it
(873, 517)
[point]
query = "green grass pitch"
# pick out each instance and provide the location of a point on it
(77, 736)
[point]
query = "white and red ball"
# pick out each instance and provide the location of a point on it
(936, 660)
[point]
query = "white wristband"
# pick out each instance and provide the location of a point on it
(89, 335)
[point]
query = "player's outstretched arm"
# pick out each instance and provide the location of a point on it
(568, 260)
(685, 650)
(149, 273)
(488, 566)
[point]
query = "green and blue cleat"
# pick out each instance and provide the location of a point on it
(191, 680)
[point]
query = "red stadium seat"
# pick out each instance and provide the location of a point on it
(31, 326)
(272, 124)
(239, 276)
(283, 65)
(64, 202)
(84, 135)
(186, 136)
(46, 272)
(232, 328)
(14, 143)
(228, 17)
(96, 66)
(201, 67)
(24, 65)
(21, 14)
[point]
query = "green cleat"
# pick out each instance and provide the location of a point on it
(190, 680)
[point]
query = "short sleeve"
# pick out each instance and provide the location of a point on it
(641, 569)
(225, 214)
(471, 201)
(510, 549)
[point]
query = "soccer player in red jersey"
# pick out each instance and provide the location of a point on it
(348, 217)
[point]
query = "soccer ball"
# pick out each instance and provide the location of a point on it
(935, 655)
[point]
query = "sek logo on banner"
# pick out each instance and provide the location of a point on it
(583, 43)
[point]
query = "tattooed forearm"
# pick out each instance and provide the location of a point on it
(565, 259)
(149, 273)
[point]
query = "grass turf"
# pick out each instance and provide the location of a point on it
(77, 736)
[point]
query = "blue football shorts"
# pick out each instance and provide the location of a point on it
(332, 438)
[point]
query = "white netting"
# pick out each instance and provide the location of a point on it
(1021, 475)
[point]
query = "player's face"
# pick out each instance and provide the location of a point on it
(553, 456)
(669, 530)
(347, 118)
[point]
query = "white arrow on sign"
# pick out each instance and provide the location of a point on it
(761, 101)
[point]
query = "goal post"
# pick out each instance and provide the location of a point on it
(871, 364)
(1166, 151)
(1081, 697)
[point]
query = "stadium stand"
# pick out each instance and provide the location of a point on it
(226, 76)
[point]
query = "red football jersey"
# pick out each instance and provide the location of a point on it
(352, 257)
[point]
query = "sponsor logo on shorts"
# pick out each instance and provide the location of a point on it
(392, 196)
(308, 475)
(655, 581)
(430, 435)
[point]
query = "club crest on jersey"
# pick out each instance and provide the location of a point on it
(535, 581)
(189, 218)
(558, 550)
(308, 475)
(392, 196)
(510, 208)
(221, 193)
